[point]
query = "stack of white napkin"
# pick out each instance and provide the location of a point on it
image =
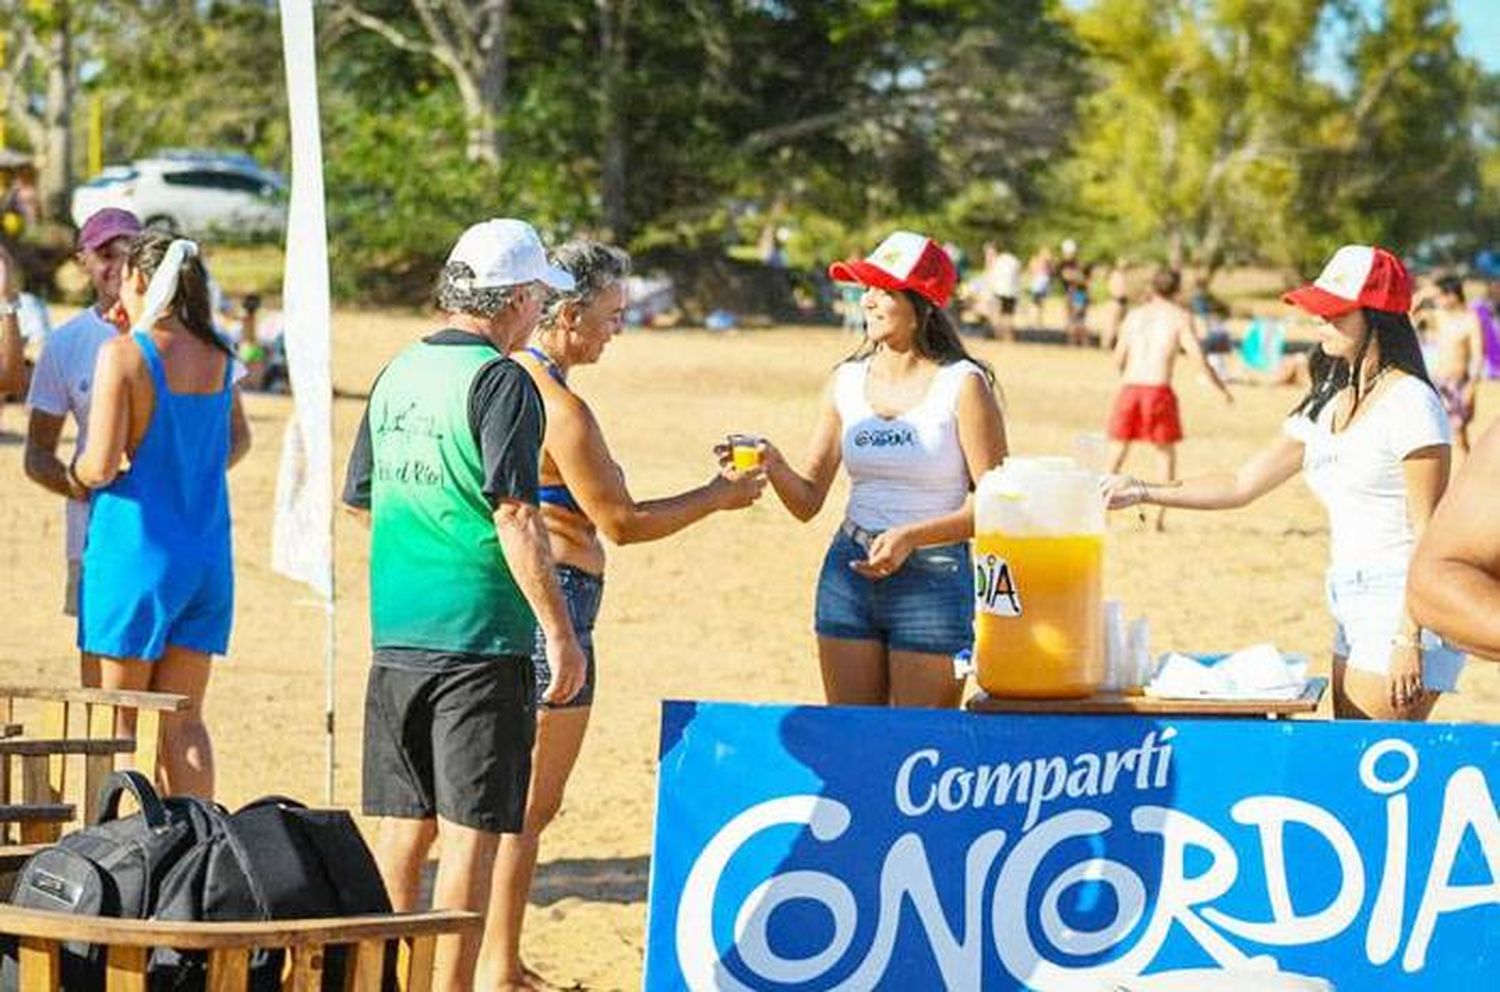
(1256, 672)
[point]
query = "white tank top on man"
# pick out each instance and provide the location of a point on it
(904, 468)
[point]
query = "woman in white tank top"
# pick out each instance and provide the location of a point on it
(1373, 443)
(915, 421)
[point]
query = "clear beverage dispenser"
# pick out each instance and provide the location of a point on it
(1039, 579)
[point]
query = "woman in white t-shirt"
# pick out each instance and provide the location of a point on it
(1372, 440)
(915, 421)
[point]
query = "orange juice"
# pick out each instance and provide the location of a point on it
(743, 453)
(1038, 619)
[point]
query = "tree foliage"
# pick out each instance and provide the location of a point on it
(1206, 130)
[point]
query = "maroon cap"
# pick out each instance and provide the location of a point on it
(103, 226)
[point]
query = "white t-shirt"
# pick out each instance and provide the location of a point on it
(1357, 473)
(906, 468)
(62, 384)
(1005, 275)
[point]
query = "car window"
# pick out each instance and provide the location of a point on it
(215, 179)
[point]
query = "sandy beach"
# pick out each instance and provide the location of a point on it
(722, 611)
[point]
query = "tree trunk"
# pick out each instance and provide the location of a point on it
(56, 174)
(488, 102)
(613, 18)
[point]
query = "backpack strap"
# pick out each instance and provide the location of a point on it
(137, 785)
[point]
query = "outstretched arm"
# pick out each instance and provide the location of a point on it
(1220, 491)
(1188, 339)
(802, 490)
(1454, 584)
(577, 446)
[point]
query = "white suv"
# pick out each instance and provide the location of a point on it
(191, 193)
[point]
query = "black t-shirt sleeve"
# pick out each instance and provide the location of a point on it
(506, 415)
(361, 466)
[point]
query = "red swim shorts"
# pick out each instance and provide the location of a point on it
(1146, 413)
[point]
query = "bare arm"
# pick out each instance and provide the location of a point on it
(576, 444)
(1220, 491)
(1187, 338)
(528, 555)
(1121, 352)
(803, 491)
(1454, 584)
(42, 464)
(239, 430)
(981, 435)
(109, 416)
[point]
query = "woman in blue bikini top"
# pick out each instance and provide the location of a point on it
(583, 495)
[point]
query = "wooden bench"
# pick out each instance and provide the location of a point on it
(128, 945)
(69, 747)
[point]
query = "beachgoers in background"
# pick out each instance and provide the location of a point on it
(1146, 351)
(445, 467)
(584, 497)
(915, 421)
(1372, 440)
(1002, 286)
(1039, 283)
(1074, 276)
(1454, 352)
(164, 426)
(12, 346)
(63, 383)
(1454, 586)
(1118, 286)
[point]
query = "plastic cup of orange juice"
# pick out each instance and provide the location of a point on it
(744, 451)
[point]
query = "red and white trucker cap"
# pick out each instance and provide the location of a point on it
(903, 261)
(1357, 276)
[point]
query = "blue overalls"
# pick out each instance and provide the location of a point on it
(157, 566)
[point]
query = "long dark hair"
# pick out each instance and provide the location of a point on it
(1398, 347)
(192, 304)
(936, 338)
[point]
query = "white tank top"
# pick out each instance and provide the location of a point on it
(904, 468)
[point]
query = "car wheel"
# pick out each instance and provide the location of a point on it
(162, 222)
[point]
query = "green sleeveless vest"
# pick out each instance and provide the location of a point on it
(438, 579)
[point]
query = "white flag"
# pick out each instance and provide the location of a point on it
(302, 535)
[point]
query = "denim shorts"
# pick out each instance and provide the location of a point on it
(926, 606)
(583, 592)
(1368, 605)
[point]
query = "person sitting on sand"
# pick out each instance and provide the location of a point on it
(582, 493)
(915, 420)
(1372, 441)
(1456, 347)
(1454, 586)
(1146, 351)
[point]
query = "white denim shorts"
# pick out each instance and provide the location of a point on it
(1368, 604)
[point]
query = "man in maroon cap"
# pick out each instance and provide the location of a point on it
(63, 381)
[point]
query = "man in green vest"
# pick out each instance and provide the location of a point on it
(445, 468)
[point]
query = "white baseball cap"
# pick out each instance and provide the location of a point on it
(507, 252)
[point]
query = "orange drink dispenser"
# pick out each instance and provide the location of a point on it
(1039, 580)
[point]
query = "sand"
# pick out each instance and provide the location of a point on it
(722, 611)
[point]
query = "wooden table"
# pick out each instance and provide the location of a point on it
(1122, 704)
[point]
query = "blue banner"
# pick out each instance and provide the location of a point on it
(831, 848)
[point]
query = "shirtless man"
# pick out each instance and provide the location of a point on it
(1454, 583)
(1150, 340)
(1455, 355)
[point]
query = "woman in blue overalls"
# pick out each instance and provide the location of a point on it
(165, 426)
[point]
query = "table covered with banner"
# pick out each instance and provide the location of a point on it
(854, 848)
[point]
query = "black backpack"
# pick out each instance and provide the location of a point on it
(183, 858)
